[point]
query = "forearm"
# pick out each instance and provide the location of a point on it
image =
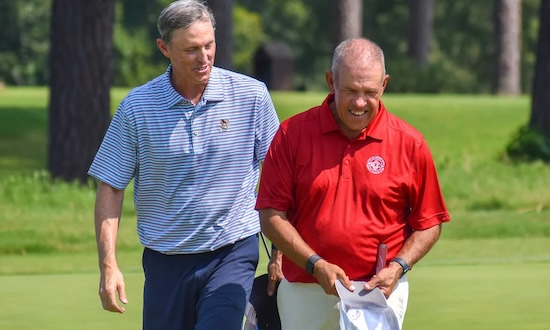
(284, 236)
(419, 244)
(108, 209)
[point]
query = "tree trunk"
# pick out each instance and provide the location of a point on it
(348, 21)
(223, 12)
(421, 18)
(508, 47)
(540, 110)
(80, 78)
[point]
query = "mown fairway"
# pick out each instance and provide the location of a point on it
(488, 271)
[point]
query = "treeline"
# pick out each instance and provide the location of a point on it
(461, 59)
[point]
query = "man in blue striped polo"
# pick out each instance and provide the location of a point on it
(192, 140)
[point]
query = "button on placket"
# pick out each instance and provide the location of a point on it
(346, 162)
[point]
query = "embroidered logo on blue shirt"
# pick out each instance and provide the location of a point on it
(224, 125)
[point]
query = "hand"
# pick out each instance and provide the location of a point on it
(327, 274)
(111, 283)
(386, 279)
(274, 271)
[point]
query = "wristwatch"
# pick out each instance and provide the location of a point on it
(403, 265)
(311, 263)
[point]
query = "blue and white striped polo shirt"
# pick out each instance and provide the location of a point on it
(195, 168)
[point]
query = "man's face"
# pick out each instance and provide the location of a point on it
(357, 91)
(191, 52)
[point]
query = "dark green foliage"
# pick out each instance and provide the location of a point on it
(24, 32)
(461, 51)
(528, 145)
(439, 75)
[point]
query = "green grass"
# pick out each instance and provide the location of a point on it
(475, 297)
(487, 271)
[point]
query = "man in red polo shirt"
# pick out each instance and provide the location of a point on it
(340, 179)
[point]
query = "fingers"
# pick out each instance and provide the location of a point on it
(347, 283)
(275, 274)
(374, 282)
(383, 281)
(108, 300)
(327, 274)
(271, 285)
(108, 294)
(122, 294)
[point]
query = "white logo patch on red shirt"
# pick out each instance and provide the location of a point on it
(376, 164)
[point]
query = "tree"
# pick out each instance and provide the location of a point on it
(80, 66)
(223, 12)
(10, 38)
(540, 108)
(507, 47)
(348, 20)
(421, 16)
(532, 142)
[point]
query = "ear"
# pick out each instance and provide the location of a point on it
(385, 84)
(163, 46)
(330, 81)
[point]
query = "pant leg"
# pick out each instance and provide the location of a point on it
(171, 290)
(306, 306)
(399, 299)
(223, 300)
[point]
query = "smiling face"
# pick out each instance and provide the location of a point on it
(357, 83)
(191, 52)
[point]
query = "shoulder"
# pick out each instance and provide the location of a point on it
(301, 121)
(235, 80)
(404, 130)
(148, 92)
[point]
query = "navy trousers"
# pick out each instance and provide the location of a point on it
(203, 291)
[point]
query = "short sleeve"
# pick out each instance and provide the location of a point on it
(276, 182)
(428, 207)
(266, 125)
(116, 160)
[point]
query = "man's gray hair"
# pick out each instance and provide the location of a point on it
(357, 47)
(180, 15)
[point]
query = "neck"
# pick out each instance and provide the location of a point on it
(192, 92)
(347, 132)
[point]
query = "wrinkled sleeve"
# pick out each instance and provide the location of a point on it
(277, 178)
(116, 160)
(428, 207)
(266, 125)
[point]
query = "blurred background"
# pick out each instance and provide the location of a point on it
(473, 76)
(82, 49)
(431, 46)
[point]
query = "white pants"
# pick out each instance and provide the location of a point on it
(306, 306)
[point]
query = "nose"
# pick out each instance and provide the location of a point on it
(360, 101)
(203, 55)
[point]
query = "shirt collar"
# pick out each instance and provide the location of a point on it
(214, 91)
(376, 129)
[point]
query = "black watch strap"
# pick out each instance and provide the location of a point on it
(311, 263)
(403, 265)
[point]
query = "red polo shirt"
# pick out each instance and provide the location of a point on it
(344, 196)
